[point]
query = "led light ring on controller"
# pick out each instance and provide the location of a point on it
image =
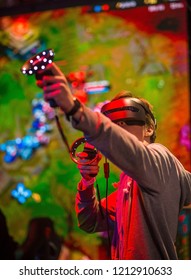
(38, 62)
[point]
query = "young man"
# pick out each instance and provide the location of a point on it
(153, 187)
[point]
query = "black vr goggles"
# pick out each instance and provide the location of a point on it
(130, 110)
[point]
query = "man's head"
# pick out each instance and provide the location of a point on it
(133, 114)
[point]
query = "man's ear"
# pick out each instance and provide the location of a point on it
(149, 131)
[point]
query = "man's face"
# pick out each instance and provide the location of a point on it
(137, 130)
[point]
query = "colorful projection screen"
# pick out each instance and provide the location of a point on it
(102, 50)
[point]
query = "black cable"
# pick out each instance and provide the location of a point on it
(99, 199)
(62, 132)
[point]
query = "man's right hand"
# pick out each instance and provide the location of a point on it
(56, 87)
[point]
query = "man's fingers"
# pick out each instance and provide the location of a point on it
(52, 94)
(55, 70)
(51, 87)
(89, 171)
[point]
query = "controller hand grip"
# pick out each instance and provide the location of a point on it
(39, 76)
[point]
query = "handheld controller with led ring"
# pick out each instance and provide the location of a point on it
(38, 65)
(89, 153)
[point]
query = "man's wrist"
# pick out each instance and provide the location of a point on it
(88, 183)
(77, 117)
(77, 105)
(85, 184)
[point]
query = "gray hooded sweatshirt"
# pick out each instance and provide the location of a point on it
(143, 211)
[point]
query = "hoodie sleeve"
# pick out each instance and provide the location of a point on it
(91, 214)
(151, 166)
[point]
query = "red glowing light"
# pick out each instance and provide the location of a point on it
(105, 7)
(20, 27)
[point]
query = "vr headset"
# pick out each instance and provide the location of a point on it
(130, 110)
